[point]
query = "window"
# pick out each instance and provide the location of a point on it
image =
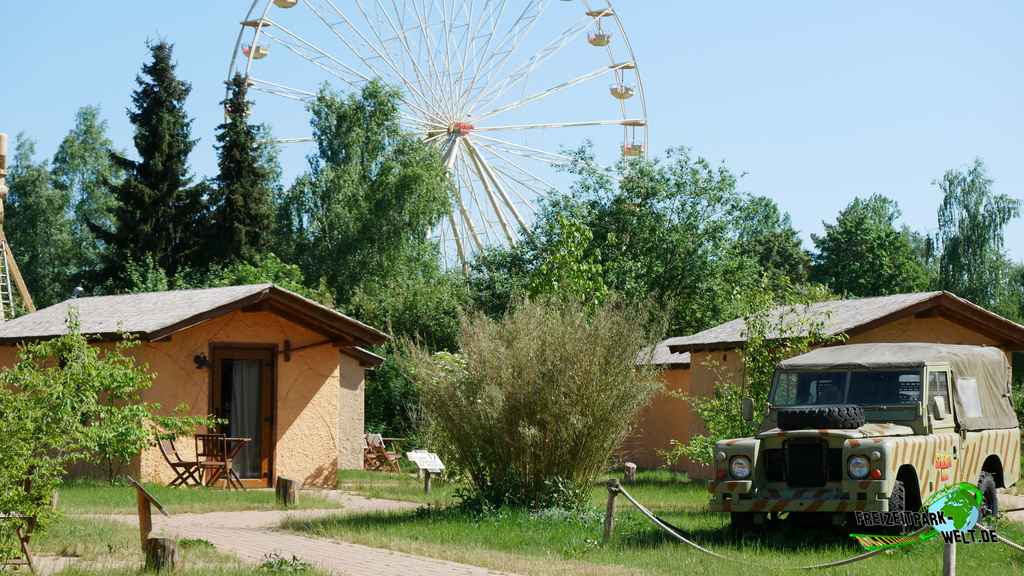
(879, 387)
(806, 388)
(967, 391)
(938, 388)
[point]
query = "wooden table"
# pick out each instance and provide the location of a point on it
(219, 460)
(234, 446)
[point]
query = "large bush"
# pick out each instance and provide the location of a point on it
(534, 406)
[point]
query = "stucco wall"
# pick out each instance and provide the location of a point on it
(350, 423)
(319, 412)
(668, 418)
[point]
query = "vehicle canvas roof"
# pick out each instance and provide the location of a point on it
(981, 374)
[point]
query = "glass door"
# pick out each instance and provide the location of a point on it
(242, 393)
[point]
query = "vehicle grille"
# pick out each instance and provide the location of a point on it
(805, 463)
(775, 465)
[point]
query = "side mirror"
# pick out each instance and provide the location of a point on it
(939, 411)
(747, 409)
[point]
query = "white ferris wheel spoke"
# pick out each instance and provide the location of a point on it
(519, 30)
(280, 90)
(424, 107)
(543, 126)
(386, 56)
(553, 90)
(495, 19)
(545, 186)
(524, 150)
(403, 40)
(531, 64)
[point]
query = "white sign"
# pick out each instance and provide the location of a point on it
(426, 461)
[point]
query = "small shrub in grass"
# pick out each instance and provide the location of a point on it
(274, 563)
(532, 409)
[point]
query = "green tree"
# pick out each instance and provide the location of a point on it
(242, 204)
(39, 227)
(82, 167)
(972, 221)
(567, 265)
(864, 253)
(371, 197)
(766, 234)
(159, 210)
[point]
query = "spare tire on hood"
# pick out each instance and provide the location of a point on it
(837, 416)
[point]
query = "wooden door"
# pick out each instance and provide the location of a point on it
(243, 391)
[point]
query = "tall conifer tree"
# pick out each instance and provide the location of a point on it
(160, 213)
(243, 208)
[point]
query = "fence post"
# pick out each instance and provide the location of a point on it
(609, 514)
(949, 559)
(629, 473)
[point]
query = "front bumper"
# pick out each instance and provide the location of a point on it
(743, 496)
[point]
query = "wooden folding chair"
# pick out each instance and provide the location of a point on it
(379, 457)
(186, 471)
(212, 459)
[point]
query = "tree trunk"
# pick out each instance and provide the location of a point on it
(161, 554)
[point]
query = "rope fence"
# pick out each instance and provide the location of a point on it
(615, 488)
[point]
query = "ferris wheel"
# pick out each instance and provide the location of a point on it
(500, 87)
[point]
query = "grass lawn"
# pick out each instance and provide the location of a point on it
(558, 543)
(393, 486)
(109, 547)
(90, 497)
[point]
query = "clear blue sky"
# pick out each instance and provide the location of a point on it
(816, 102)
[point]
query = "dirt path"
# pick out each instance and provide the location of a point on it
(253, 535)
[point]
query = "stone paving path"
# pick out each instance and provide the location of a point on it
(252, 535)
(1009, 502)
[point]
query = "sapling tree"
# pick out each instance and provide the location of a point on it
(67, 400)
(773, 332)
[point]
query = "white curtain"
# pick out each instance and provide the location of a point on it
(245, 415)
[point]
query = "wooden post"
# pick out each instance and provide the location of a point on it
(287, 491)
(629, 475)
(426, 481)
(161, 554)
(949, 559)
(609, 512)
(145, 517)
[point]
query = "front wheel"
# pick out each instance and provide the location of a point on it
(898, 503)
(987, 486)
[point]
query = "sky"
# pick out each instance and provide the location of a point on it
(814, 102)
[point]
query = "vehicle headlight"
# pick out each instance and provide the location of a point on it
(739, 467)
(858, 467)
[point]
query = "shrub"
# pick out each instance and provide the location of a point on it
(534, 406)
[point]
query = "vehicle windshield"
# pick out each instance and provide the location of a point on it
(863, 387)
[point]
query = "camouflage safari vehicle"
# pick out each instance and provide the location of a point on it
(874, 428)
